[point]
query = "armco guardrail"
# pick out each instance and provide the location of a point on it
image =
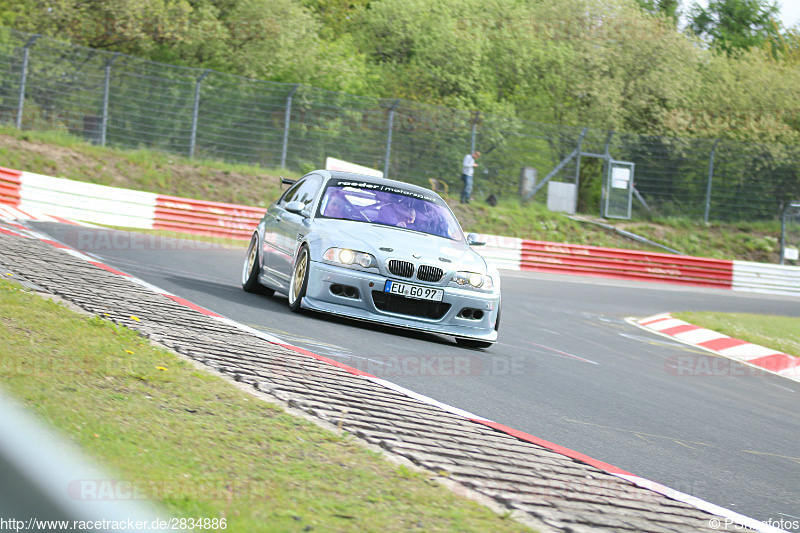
(123, 207)
(77, 200)
(10, 184)
(766, 278)
(538, 256)
(625, 264)
(207, 218)
(88, 202)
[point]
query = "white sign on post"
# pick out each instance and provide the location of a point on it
(620, 177)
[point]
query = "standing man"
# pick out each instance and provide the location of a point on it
(468, 169)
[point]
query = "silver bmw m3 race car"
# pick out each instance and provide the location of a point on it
(377, 250)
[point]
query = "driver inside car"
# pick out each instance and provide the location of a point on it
(407, 216)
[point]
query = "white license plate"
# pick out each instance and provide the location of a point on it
(414, 291)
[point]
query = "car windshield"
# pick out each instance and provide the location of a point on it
(389, 206)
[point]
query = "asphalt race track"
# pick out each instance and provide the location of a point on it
(568, 368)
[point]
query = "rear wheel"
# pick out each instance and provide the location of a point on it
(251, 269)
(299, 281)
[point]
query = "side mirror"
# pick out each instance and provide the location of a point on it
(473, 239)
(295, 207)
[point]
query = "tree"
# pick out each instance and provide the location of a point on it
(734, 25)
(750, 98)
(598, 63)
(278, 40)
(337, 16)
(785, 46)
(145, 28)
(665, 8)
(281, 40)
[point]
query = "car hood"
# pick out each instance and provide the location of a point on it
(385, 242)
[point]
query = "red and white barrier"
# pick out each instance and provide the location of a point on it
(87, 201)
(29, 195)
(33, 194)
(206, 218)
(503, 252)
(625, 264)
(512, 253)
(538, 256)
(10, 185)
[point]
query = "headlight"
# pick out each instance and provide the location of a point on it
(349, 257)
(473, 279)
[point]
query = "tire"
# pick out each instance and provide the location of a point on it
(299, 281)
(251, 269)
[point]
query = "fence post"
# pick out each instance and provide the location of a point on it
(24, 78)
(389, 138)
(473, 132)
(578, 163)
(784, 213)
(106, 84)
(710, 178)
(286, 120)
(196, 110)
(603, 185)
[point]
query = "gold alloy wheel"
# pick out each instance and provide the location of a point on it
(299, 275)
(251, 260)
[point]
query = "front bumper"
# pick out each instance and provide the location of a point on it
(319, 297)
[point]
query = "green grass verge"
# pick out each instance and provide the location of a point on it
(201, 446)
(777, 332)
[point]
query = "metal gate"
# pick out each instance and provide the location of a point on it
(790, 234)
(618, 189)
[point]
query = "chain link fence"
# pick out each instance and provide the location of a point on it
(119, 100)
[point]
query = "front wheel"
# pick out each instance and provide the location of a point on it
(251, 269)
(299, 281)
